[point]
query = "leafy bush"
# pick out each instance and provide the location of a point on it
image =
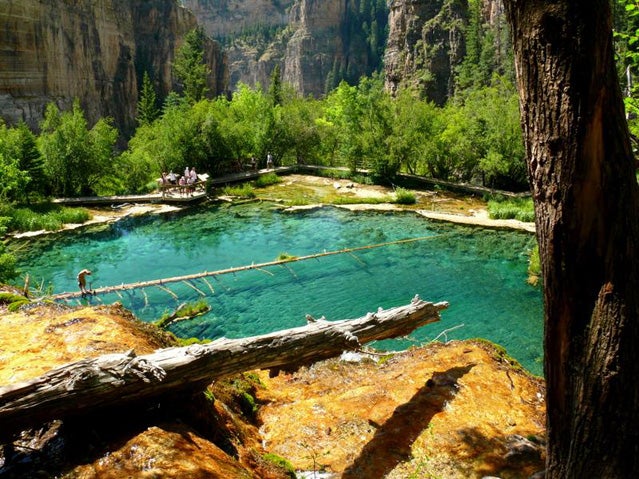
(267, 180)
(405, 197)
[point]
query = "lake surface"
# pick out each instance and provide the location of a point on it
(480, 272)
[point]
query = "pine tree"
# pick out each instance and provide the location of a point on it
(190, 67)
(147, 102)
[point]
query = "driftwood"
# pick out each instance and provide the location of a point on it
(117, 380)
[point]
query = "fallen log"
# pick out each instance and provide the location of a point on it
(118, 380)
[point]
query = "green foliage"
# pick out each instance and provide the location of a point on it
(405, 197)
(281, 463)
(76, 159)
(534, 266)
(359, 200)
(184, 311)
(521, 209)
(626, 37)
(190, 67)
(275, 86)
(42, 216)
(15, 159)
(245, 190)
(488, 50)
(285, 257)
(147, 109)
(8, 263)
(267, 180)
(243, 389)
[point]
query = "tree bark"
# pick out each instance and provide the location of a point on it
(582, 174)
(117, 380)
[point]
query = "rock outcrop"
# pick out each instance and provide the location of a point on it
(317, 43)
(425, 43)
(59, 50)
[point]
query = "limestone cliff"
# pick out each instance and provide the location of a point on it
(59, 50)
(425, 44)
(317, 43)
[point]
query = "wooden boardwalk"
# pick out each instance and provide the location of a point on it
(172, 196)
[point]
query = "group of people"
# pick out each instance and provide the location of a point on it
(185, 182)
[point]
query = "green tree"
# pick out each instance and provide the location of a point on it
(147, 102)
(76, 160)
(299, 120)
(190, 67)
(415, 129)
(15, 179)
(30, 161)
(342, 115)
(275, 86)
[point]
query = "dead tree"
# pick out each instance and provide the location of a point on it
(119, 380)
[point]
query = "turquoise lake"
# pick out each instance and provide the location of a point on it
(480, 272)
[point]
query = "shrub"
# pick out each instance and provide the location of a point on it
(405, 197)
(267, 180)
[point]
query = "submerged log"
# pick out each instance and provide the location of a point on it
(117, 380)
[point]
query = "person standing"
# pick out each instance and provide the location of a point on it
(82, 281)
(269, 161)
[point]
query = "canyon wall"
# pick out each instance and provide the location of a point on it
(93, 50)
(316, 43)
(425, 44)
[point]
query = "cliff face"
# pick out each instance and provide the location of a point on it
(425, 44)
(224, 18)
(317, 43)
(96, 51)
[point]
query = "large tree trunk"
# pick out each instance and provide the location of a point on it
(586, 199)
(118, 380)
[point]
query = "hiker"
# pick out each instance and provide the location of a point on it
(82, 281)
(269, 161)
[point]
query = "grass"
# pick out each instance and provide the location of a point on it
(285, 256)
(245, 190)
(43, 216)
(521, 209)
(361, 200)
(267, 179)
(185, 311)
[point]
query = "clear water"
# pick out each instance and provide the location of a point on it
(480, 272)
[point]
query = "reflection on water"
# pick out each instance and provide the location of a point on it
(480, 272)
